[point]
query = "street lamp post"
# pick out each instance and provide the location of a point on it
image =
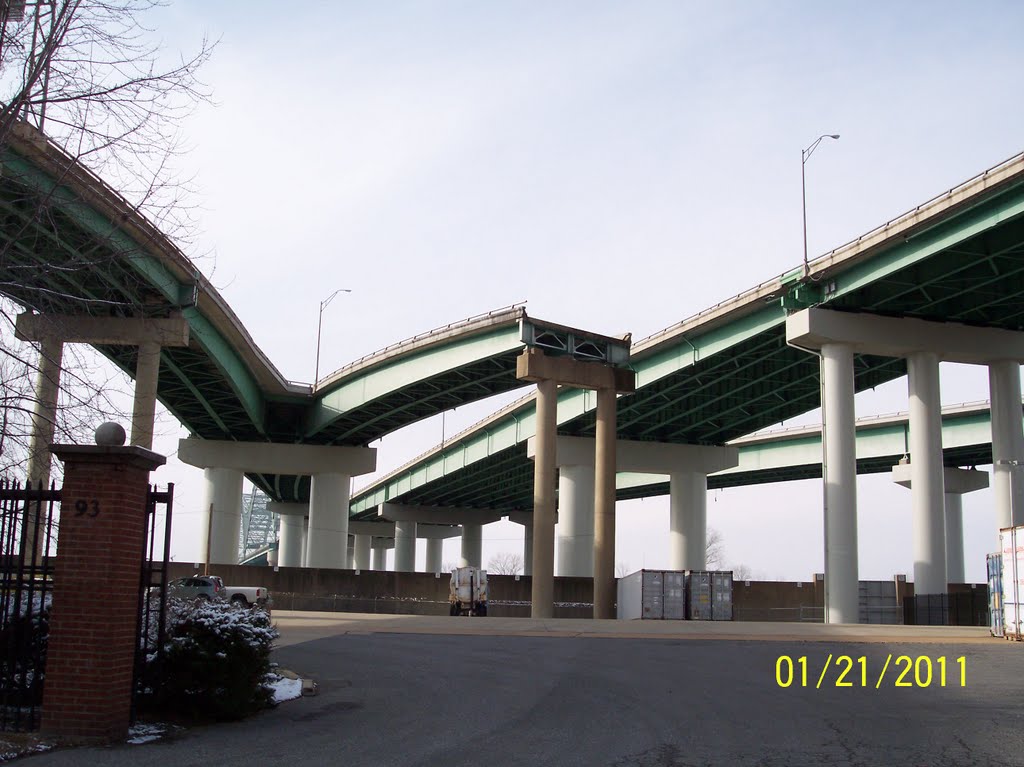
(319, 327)
(805, 155)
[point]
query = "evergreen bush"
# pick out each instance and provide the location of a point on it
(216, 661)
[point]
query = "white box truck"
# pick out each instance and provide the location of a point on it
(467, 594)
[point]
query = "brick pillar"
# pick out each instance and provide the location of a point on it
(94, 618)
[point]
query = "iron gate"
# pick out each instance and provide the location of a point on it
(27, 543)
(152, 600)
(28, 546)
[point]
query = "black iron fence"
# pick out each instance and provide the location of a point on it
(27, 544)
(968, 608)
(153, 598)
(28, 547)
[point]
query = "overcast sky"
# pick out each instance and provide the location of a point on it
(619, 166)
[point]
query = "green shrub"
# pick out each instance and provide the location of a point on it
(216, 660)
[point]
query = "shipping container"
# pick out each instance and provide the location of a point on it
(698, 603)
(994, 566)
(1011, 545)
(641, 595)
(675, 595)
(721, 596)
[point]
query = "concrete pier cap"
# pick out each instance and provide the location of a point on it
(958, 481)
(437, 515)
(277, 458)
(646, 457)
(902, 336)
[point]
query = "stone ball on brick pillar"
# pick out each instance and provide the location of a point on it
(110, 434)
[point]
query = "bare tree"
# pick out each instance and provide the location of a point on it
(621, 569)
(742, 572)
(88, 77)
(505, 563)
(714, 553)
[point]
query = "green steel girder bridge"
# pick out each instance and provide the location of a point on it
(70, 245)
(727, 372)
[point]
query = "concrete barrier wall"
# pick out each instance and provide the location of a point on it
(391, 593)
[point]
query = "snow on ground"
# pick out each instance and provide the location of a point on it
(145, 733)
(285, 689)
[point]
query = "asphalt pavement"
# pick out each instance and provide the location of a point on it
(517, 692)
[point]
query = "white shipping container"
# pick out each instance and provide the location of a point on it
(1011, 545)
(641, 596)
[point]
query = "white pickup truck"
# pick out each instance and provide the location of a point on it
(248, 595)
(467, 594)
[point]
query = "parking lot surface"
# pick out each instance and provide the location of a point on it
(448, 692)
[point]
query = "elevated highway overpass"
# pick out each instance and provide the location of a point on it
(720, 375)
(779, 455)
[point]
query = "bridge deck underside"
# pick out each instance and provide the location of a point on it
(60, 255)
(421, 399)
(760, 381)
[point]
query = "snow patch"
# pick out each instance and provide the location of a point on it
(146, 733)
(284, 689)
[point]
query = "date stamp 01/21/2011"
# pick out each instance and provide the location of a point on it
(895, 671)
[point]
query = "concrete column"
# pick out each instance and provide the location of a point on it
(435, 551)
(688, 520)
(954, 538)
(291, 539)
(327, 541)
(542, 593)
(380, 556)
(604, 505)
(405, 547)
(147, 375)
(362, 552)
(527, 549)
(222, 515)
(956, 482)
(44, 411)
(472, 546)
(842, 595)
(927, 495)
(305, 537)
(575, 528)
(289, 550)
(1007, 443)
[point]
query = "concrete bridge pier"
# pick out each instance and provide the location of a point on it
(472, 546)
(927, 495)
(432, 522)
(380, 553)
(687, 467)
(223, 506)
(574, 531)
(688, 520)
(361, 552)
(435, 536)
(405, 546)
(525, 518)
(956, 482)
(842, 596)
(1007, 442)
(291, 538)
(435, 553)
(326, 537)
(52, 331)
